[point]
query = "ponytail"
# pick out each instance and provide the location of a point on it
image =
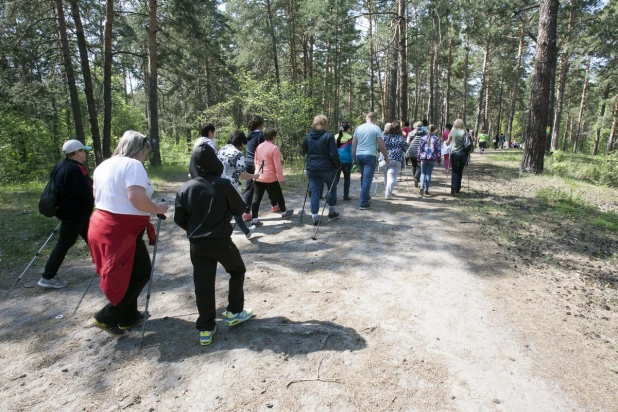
(255, 123)
(342, 128)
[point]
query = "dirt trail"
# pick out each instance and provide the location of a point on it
(395, 308)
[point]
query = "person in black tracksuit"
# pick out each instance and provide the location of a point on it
(254, 139)
(204, 206)
(76, 202)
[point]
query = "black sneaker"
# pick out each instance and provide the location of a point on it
(140, 318)
(347, 198)
(333, 216)
(316, 222)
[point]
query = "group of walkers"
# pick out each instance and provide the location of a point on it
(121, 192)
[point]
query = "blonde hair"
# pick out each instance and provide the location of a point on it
(131, 144)
(371, 116)
(319, 122)
(387, 128)
(417, 124)
(458, 124)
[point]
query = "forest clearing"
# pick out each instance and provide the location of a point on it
(390, 309)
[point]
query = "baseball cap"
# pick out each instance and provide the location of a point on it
(73, 146)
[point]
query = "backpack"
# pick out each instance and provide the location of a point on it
(468, 146)
(48, 203)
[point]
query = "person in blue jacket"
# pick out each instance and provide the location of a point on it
(344, 146)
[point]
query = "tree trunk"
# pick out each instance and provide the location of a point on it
(581, 106)
(403, 63)
(68, 68)
(153, 109)
(107, 79)
(392, 90)
(273, 38)
(447, 93)
(290, 8)
(430, 103)
(207, 74)
(499, 122)
(465, 81)
(416, 92)
(552, 103)
(612, 134)
(479, 104)
(92, 110)
(486, 114)
(566, 130)
(371, 60)
(515, 90)
(534, 153)
(305, 41)
(597, 137)
(564, 68)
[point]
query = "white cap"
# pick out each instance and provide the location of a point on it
(71, 146)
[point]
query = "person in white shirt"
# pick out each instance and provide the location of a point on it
(122, 194)
(234, 169)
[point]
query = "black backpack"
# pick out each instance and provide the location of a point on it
(48, 203)
(468, 146)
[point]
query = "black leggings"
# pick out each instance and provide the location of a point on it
(274, 192)
(125, 312)
(250, 188)
(69, 232)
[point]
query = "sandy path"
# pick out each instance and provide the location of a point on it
(388, 303)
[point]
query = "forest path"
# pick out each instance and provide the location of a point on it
(394, 308)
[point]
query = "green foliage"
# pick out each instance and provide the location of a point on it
(27, 149)
(587, 168)
(291, 112)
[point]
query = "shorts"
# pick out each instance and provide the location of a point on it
(483, 145)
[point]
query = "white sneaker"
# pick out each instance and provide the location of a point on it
(53, 283)
(251, 230)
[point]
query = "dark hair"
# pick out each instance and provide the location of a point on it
(270, 133)
(425, 122)
(255, 123)
(395, 128)
(344, 126)
(406, 123)
(206, 128)
(237, 138)
(449, 126)
(432, 128)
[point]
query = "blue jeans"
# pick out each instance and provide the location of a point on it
(346, 168)
(316, 183)
(458, 161)
(366, 167)
(426, 169)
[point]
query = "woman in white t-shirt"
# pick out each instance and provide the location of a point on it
(234, 169)
(122, 194)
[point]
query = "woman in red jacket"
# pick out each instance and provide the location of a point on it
(122, 194)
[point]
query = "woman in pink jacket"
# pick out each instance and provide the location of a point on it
(268, 165)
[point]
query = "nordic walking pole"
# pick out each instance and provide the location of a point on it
(84, 294)
(154, 255)
(37, 254)
(325, 203)
(305, 202)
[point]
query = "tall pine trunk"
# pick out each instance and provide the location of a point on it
(499, 121)
(403, 62)
(273, 39)
(107, 79)
(92, 110)
(447, 92)
(597, 137)
(479, 103)
(515, 90)
(581, 107)
(564, 69)
(612, 133)
(68, 69)
(153, 108)
(534, 153)
(465, 81)
(371, 66)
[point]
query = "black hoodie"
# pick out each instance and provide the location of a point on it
(204, 203)
(321, 150)
(254, 139)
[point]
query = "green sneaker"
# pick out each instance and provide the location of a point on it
(232, 319)
(206, 336)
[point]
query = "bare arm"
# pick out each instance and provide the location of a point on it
(141, 201)
(382, 148)
(245, 175)
(354, 143)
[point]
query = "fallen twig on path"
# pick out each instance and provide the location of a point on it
(317, 379)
